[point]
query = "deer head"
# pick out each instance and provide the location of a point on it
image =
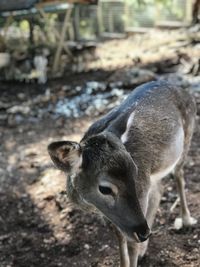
(101, 175)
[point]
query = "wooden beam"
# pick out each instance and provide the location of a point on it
(76, 18)
(49, 3)
(62, 40)
(57, 2)
(100, 20)
(188, 11)
(55, 31)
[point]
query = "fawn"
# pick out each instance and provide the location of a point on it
(116, 168)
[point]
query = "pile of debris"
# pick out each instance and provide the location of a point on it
(174, 57)
(91, 99)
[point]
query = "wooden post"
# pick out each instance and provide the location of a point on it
(126, 15)
(62, 40)
(110, 21)
(77, 22)
(195, 11)
(157, 17)
(100, 19)
(9, 20)
(188, 11)
(31, 31)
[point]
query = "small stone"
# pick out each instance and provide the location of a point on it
(169, 188)
(21, 96)
(86, 246)
(20, 211)
(19, 109)
(23, 234)
(178, 224)
(104, 247)
(66, 88)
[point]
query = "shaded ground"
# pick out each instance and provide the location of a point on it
(38, 227)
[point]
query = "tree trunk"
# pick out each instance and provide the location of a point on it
(195, 11)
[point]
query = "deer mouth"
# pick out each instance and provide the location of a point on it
(138, 235)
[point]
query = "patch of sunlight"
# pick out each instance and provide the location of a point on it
(45, 191)
(44, 194)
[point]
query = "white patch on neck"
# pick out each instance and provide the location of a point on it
(161, 174)
(172, 155)
(124, 136)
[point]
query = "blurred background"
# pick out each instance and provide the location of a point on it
(63, 64)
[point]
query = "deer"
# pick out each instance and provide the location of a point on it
(117, 167)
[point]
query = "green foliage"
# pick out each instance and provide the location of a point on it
(24, 25)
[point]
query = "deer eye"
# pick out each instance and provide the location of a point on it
(105, 190)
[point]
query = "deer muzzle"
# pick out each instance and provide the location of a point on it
(143, 233)
(143, 237)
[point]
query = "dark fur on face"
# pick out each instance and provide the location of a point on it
(98, 151)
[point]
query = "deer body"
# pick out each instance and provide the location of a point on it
(117, 167)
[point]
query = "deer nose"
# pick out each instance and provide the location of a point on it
(143, 233)
(144, 237)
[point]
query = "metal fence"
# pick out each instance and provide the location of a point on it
(119, 16)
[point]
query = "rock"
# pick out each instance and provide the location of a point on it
(21, 96)
(86, 246)
(4, 105)
(94, 100)
(19, 109)
(131, 77)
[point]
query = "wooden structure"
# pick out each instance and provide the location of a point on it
(118, 16)
(66, 24)
(110, 19)
(9, 8)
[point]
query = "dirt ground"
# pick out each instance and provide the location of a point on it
(39, 227)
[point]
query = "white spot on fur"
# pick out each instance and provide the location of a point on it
(171, 156)
(124, 136)
(161, 174)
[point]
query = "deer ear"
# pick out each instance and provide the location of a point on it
(66, 155)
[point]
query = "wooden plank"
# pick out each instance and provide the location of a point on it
(58, 2)
(49, 3)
